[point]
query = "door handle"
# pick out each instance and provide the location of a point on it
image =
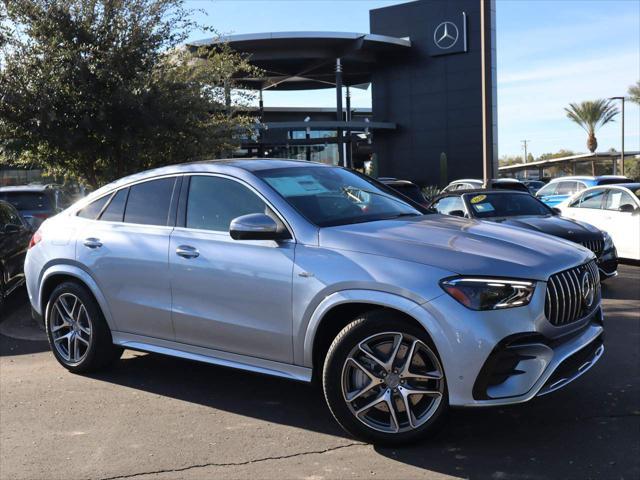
(92, 243)
(187, 251)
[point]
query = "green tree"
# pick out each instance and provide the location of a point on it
(97, 89)
(591, 115)
(559, 154)
(506, 160)
(634, 93)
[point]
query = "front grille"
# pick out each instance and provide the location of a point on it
(566, 292)
(596, 246)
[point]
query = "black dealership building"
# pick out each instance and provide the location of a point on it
(431, 68)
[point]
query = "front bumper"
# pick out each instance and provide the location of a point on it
(608, 264)
(527, 367)
(509, 356)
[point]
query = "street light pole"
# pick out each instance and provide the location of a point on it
(525, 142)
(615, 169)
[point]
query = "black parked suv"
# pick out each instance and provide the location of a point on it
(520, 209)
(14, 240)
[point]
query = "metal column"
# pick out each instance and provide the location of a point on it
(348, 118)
(260, 134)
(339, 111)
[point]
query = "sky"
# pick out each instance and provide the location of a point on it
(550, 53)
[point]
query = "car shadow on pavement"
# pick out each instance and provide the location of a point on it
(547, 438)
(19, 334)
(268, 398)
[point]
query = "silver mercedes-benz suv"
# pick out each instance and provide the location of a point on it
(307, 271)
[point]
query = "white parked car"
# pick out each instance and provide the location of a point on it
(612, 208)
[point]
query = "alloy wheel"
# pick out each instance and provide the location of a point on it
(392, 382)
(70, 328)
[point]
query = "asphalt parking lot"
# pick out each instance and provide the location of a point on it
(153, 417)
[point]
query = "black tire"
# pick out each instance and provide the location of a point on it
(370, 325)
(100, 351)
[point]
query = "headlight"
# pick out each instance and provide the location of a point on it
(608, 242)
(488, 293)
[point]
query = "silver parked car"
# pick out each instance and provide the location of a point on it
(307, 271)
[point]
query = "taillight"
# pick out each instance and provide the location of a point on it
(35, 239)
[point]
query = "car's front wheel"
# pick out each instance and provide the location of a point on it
(78, 334)
(383, 380)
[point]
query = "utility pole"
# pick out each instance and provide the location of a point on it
(615, 169)
(526, 158)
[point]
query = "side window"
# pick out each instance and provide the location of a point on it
(566, 188)
(92, 210)
(115, 210)
(591, 199)
(149, 202)
(4, 215)
(448, 205)
(214, 201)
(549, 189)
(581, 186)
(618, 198)
(13, 216)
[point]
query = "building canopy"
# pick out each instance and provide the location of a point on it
(307, 60)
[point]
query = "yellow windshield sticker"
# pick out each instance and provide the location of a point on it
(478, 198)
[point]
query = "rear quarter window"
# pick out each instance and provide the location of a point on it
(92, 210)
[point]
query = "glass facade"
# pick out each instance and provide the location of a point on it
(322, 152)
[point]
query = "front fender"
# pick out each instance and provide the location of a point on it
(383, 299)
(84, 277)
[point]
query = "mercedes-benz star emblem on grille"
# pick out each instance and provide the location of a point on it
(445, 35)
(588, 288)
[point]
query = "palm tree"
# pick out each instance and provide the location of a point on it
(591, 115)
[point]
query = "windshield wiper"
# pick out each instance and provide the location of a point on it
(403, 215)
(349, 190)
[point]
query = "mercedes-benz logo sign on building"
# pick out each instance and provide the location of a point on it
(446, 35)
(588, 289)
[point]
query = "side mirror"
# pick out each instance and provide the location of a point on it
(256, 226)
(457, 213)
(627, 208)
(556, 211)
(10, 228)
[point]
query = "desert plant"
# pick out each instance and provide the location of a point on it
(430, 192)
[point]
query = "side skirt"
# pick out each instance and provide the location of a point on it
(215, 357)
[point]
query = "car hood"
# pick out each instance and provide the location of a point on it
(460, 245)
(562, 227)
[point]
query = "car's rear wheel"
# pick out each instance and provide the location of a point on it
(383, 380)
(78, 334)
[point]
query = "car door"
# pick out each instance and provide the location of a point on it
(564, 189)
(124, 244)
(548, 192)
(588, 207)
(229, 295)
(14, 239)
(622, 216)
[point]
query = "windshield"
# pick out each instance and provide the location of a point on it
(334, 196)
(504, 205)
